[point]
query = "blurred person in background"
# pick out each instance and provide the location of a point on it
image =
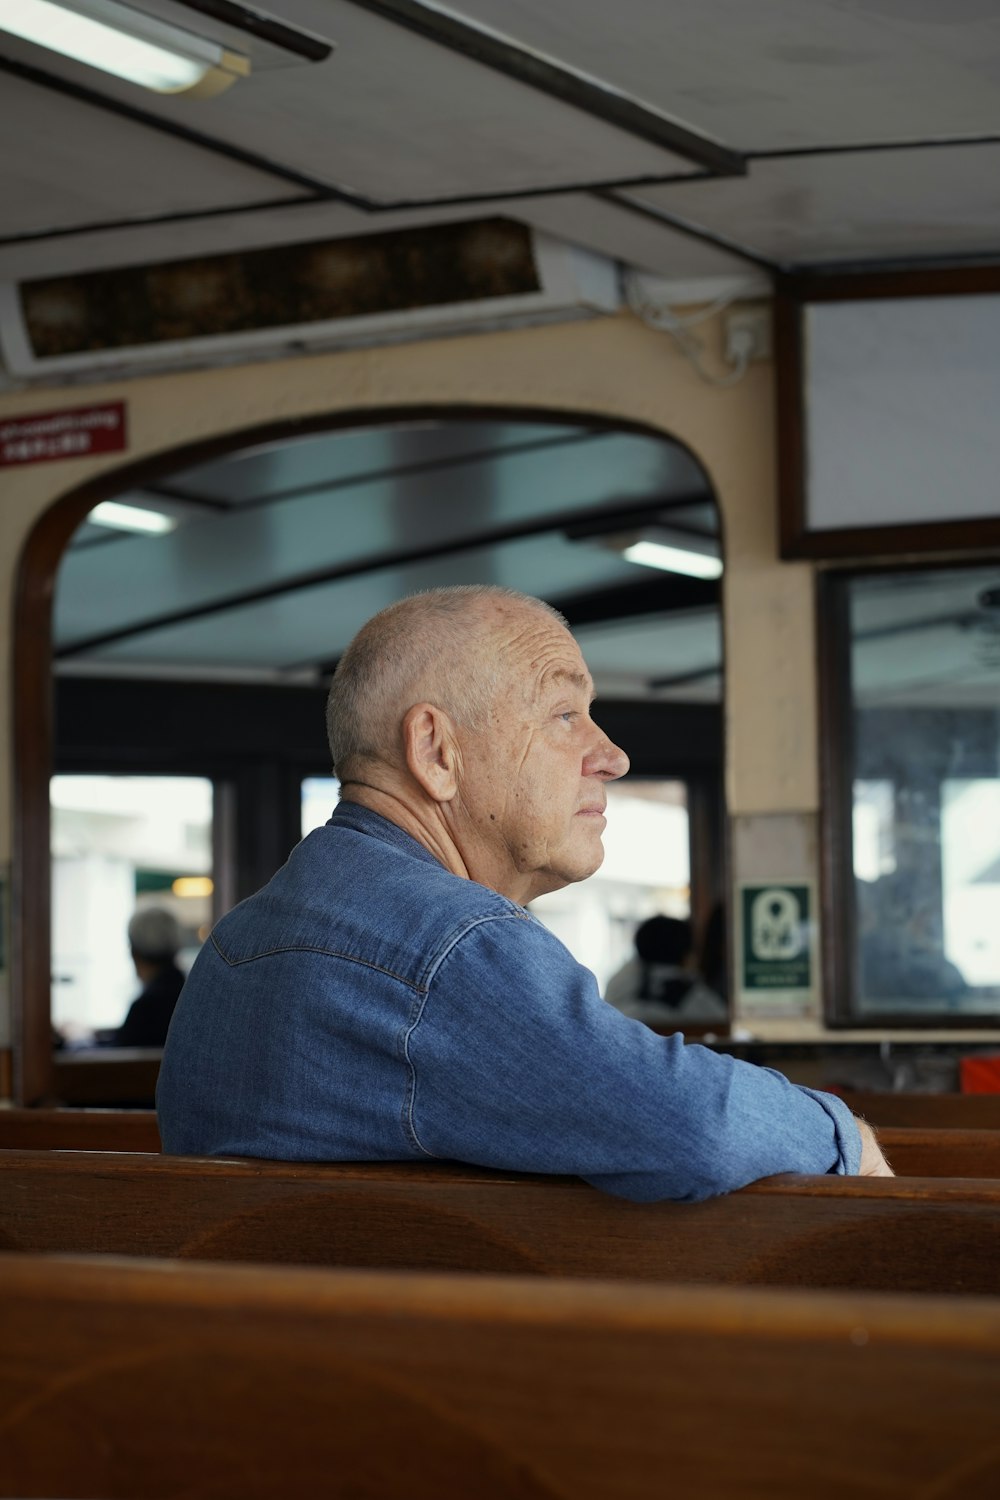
(154, 938)
(660, 984)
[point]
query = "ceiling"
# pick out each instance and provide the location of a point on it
(714, 143)
(691, 138)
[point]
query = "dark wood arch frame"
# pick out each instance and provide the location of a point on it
(33, 718)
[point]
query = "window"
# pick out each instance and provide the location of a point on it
(119, 844)
(646, 871)
(320, 795)
(919, 794)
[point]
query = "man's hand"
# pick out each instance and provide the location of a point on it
(873, 1163)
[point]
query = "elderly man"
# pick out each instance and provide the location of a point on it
(387, 996)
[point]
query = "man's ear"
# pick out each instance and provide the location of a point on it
(431, 751)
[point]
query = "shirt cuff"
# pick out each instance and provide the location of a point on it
(846, 1133)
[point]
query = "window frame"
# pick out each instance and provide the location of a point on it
(838, 756)
(794, 294)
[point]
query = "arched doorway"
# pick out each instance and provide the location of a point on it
(372, 506)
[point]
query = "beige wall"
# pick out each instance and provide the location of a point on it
(611, 367)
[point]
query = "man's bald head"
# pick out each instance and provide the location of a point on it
(435, 647)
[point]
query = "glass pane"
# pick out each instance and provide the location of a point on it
(925, 666)
(320, 795)
(646, 871)
(122, 844)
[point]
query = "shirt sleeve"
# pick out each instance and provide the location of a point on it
(516, 1062)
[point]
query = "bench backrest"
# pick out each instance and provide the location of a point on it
(931, 1111)
(242, 1383)
(79, 1130)
(914, 1152)
(879, 1234)
(107, 1077)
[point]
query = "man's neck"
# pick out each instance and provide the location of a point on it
(423, 824)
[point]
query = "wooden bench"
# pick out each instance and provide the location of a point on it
(107, 1077)
(239, 1383)
(930, 1111)
(879, 1234)
(913, 1152)
(79, 1130)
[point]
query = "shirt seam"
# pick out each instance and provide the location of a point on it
(409, 1123)
(235, 963)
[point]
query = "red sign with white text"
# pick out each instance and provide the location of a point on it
(63, 434)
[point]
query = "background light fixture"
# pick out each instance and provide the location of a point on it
(674, 553)
(131, 518)
(127, 43)
(187, 886)
(657, 546)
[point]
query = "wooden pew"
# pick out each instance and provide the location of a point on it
(107, 1077)
(121, 1379)
(877, 1234)
(928, 1111)
(913, 1151)
(79, 1130)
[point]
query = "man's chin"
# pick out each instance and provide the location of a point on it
(586, 866)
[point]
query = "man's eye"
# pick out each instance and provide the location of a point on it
(569, 715)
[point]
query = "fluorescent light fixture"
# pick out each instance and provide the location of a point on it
(131, 518)
(127, 43)
(651, 553)
(193, 885)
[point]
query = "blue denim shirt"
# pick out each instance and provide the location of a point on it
(369, 1005)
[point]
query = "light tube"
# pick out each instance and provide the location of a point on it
(131, 518)
(125, 43)
(673, 559)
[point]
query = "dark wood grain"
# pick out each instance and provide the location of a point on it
(919, 1151)
(79, 1130)
(107, 1077)
(122, 1379)
(931, 1111)
(877, 1234)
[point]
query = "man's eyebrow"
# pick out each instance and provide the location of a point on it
(575, 679)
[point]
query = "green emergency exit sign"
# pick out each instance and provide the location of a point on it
(778, 937)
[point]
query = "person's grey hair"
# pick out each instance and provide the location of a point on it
(154, 934)
(422, 647)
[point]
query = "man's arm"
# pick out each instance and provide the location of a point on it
(517, 1063)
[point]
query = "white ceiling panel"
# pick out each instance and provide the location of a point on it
(392, 117)
(591, 222)
(767, 74)
(292, 223)
(78, 165)
(937, 201)
(616, 231)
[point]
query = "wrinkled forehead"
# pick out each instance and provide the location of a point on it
(542, 657)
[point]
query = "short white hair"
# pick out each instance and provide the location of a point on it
(429, 646)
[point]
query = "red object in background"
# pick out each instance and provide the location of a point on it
(980, 1075)
(76, 433)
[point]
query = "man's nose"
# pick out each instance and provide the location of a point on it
(605, 758)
